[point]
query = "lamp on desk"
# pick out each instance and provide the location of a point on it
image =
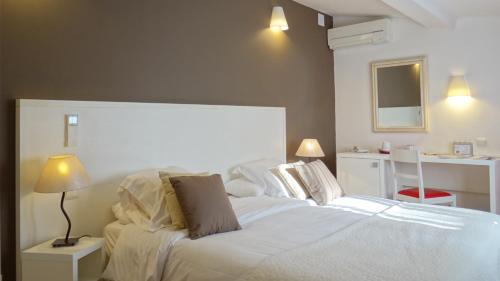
(63, 173)
(310, 148)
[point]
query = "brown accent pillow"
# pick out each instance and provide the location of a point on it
(205, 205)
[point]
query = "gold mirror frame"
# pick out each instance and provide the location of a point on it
(422, 60)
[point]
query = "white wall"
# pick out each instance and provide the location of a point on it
(473, 47)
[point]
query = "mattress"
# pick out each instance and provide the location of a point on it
(111, 233)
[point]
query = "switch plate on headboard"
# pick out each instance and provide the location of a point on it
(71, 130)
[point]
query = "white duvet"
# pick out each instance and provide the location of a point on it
(351, 239)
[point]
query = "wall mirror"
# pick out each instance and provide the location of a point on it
(400, 95)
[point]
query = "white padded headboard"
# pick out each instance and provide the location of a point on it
(116, 139)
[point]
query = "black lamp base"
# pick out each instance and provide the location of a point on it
(58, 243)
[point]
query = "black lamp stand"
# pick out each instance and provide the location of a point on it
(66, 242)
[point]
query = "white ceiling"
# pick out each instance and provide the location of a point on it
(456, 8)
(471, 8)
(351, 7)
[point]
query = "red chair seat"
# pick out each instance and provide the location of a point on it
(429, 193)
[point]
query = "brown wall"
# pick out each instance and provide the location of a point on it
(209, 52)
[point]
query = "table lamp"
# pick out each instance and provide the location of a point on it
(63, 173)
(310, 148)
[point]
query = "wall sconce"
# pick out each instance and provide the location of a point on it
(458, 91)
(278, 19)
(458, 87)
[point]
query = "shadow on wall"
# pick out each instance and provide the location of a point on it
(32, 166)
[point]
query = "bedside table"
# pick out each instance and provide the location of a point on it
(82, 262)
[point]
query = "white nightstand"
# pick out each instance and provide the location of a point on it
(83, 262)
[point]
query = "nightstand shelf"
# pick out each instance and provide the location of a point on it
(83, 262)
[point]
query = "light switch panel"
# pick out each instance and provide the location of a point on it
(71, 130)
(73, 120)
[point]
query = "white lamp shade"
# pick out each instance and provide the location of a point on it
(310, 148)
(278, 19)
(458, 87)
(62, 173)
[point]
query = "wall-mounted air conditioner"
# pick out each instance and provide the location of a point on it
(372, 32)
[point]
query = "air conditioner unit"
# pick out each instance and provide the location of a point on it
(372, 32)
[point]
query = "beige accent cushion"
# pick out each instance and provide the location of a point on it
(173, 207)
(319, 181)
(280, 186)
(292, 181)
(295, 175)
(205, 205)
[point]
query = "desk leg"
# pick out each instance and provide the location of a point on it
(383, 187)
(493, 188)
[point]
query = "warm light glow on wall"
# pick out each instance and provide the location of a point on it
(458, 92)
(278, 19)
(459, 102)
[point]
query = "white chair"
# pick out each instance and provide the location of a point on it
(418, 194)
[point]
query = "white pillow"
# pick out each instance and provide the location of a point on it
(242, 187)
(319, 181)
(142, 198)
(258, 172)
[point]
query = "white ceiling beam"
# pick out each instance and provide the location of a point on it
(423, 12)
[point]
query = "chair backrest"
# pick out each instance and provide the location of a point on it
(411, 157)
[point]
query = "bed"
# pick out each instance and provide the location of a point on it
(353, 238)
(281, 239)
(111, 234)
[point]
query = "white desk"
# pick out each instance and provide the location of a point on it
(493, 167)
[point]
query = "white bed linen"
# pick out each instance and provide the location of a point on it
(407, 242)
(111, 233)
(351, 239)
(140, 254)
(229, 256)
